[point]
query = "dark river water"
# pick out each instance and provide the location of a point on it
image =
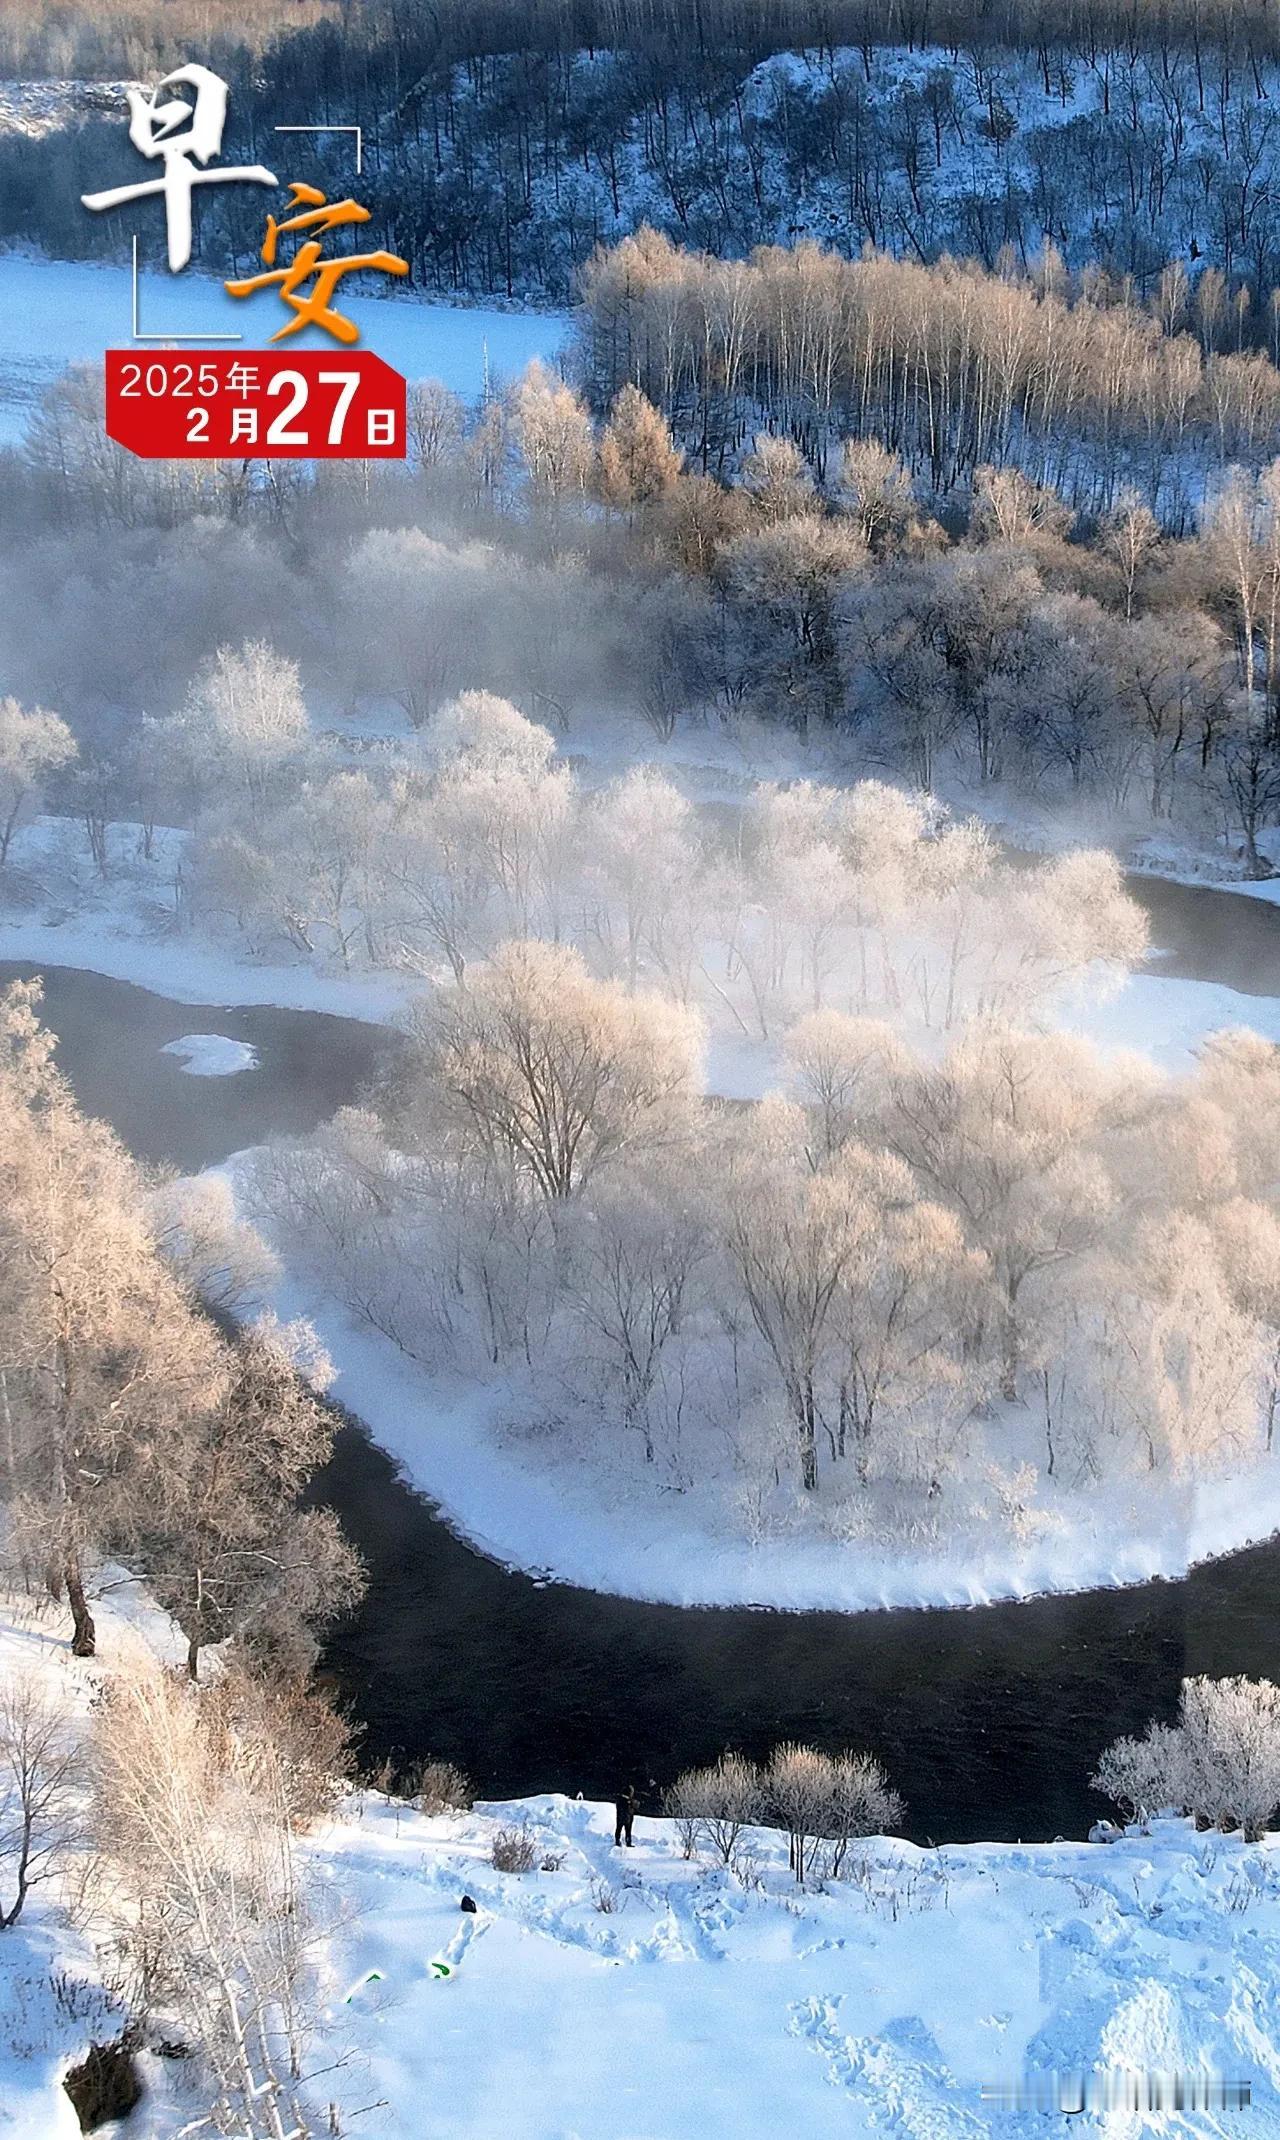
(989, 1719)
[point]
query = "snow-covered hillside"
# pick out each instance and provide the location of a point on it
(1130, 158)
(640, 1995)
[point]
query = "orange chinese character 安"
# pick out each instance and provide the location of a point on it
(313, 307)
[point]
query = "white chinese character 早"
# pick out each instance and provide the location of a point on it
(160, 129)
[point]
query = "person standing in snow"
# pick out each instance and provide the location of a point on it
(624, 1809)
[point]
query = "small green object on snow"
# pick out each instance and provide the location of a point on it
(441, 1969)
(371, 1976)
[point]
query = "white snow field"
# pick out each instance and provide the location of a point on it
(59, 312)
(212, 1054)
(637, 1995)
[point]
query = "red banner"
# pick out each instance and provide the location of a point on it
(222, 405)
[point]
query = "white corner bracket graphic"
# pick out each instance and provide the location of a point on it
(137, 333)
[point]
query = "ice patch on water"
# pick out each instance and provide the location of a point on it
(212, 1054)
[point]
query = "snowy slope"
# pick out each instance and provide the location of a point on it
(696, 2005)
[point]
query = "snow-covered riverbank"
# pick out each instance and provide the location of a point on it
(638, 1995)
(124, 932)
(503, 1492)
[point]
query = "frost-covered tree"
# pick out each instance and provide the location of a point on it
(1131, 538)
(715, 1804)
(1169, 682)
(1182, 1369)
(818, 1797)
(909, 1285)
(875, 489)
(32, 745)
(791, 1235)
(636, 1258)
(127, 1425)
(1005, 1131)
(227, 1550)
(841, 1068)
(243, 723)
(639, 462)
(499, 812)
(1009, 508)
(1220, 1760)
(1230, 1734)
(194, 1805)
(777, 478)
(102, 1360)
(532, 1058)
(407, 608)
(41, 1789)
(787, 575)
(554, 435)
(1145, 1776)
(436, 419)
(202, 1235)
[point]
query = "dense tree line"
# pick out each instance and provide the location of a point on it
(951, 367)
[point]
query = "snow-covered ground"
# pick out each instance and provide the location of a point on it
(211, 1054)
(36, 108)
(59, 312)
(638, 1995)
(190, 972)
(53, 1996)
(690, 2004)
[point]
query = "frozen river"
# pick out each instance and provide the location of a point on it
(59, 312)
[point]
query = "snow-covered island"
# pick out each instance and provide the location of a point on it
(698, 1353)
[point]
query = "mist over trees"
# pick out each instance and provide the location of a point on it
(1041, 639)
(997, 521)
(828, 1296)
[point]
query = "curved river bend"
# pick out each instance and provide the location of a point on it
(988, 1719)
